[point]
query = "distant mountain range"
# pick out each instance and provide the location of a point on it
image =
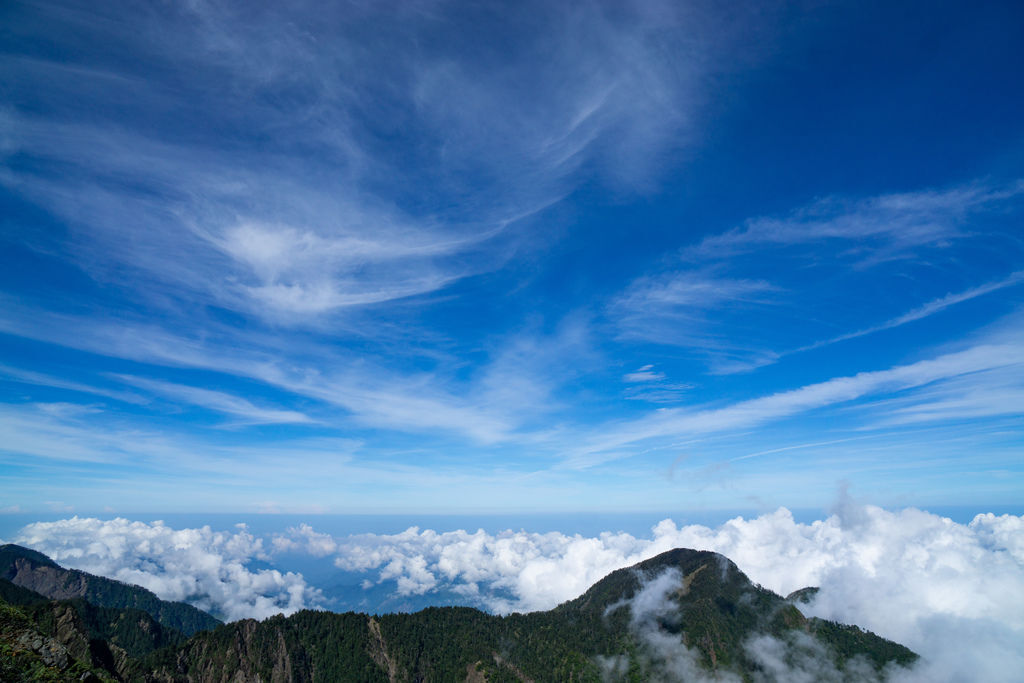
(683, 615)
(37, 572)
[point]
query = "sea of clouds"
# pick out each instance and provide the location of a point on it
(209, 569)
(952, 592)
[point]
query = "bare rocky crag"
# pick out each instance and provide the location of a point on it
(64, 652)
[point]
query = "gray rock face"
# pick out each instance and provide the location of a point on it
(72, 633)
(53, 582)
(49, 650)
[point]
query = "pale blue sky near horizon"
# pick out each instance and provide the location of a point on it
(452, 258)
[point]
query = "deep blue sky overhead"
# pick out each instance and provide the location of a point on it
(457, 257)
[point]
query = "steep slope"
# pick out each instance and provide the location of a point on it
(60, 650)
(33, 570)
(69, 636)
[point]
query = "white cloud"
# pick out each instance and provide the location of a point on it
(645, 374)
(218, 401)
(911, 576)
(648, 384)
(203, 567)
(677, 292)
(42, 379)
(918, 313)
(967, 366)
(687, 308)
(795, 657)
(672, 308)
(303, 538)
(374, 395)
(986, 393)
(889, 223)
(799, 658)
(702, 308)
(291, 212)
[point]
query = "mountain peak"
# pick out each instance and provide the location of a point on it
(10, 552)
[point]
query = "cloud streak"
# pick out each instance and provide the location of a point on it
(890, 224)
(753, 412)
(218, 401)
(923, 311)
(736, 279)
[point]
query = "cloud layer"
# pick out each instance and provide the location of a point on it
(203, 567)
(911, 576)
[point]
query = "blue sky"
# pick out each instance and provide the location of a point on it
(458, 257)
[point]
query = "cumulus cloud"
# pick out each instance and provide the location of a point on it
(911, 576)
(303, 538)
(200, 566)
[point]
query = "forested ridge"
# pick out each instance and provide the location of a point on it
(33, 570)
(709, 614)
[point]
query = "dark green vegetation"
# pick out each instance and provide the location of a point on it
(58, 640)
(35, 571)
(683, 610)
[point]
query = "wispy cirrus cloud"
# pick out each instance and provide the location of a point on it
(492, 406)
(218, 401)
(923, 311)
(883, 226)
(678, 308)
(308, 195)
(933, 307)
(744, 281)
(647, 373)
(373, 395)
(682, 291)
(219, 230)
(982, 394)
(42, 379)
(927, 381)
(653, 386)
